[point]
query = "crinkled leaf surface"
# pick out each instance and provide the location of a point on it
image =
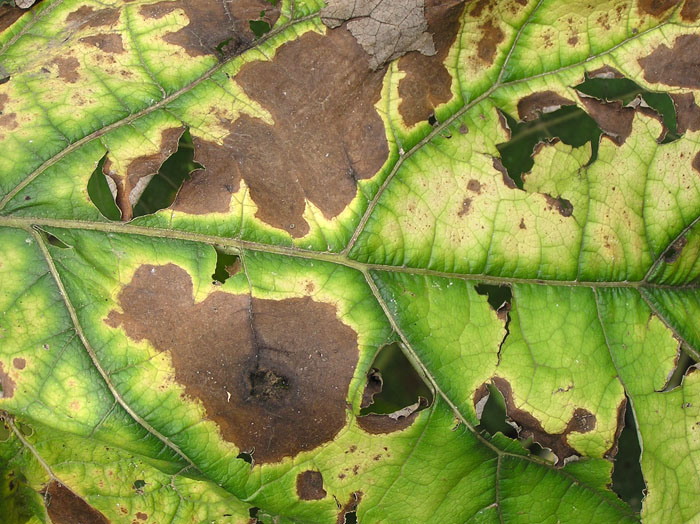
(358, 178)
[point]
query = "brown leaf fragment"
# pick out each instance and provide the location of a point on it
(614, 119)
(310, 485)
(65, 507)
(272, 374)
(87, 16)
(428, 83)
(316, 150)
(373, 387)
(349, 507)
(507, 180)
(687, 112)
(676, 66)
(140, 171)
(213, 23)
(396, 421)
(9, 15)
(582, 421)
(6, 384)
(386, 29)
(691, 11)
(621, 409)
(532, 107)
(107, 42)
(656, 7)
(19, 363)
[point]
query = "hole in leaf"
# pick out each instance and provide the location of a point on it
(100, 194)
(625, 90)
(401, 385)
(227, 265)
(53, 241)
(570, 124)
(685, 362)
(249, 459)
(259, 27)
(139, 485)
(432, 120)
(497, 296)
(163, 187)
(351, 517)
(627, 478)
(493, 417)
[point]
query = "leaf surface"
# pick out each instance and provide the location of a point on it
(509, 191)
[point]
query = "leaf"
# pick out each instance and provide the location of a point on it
(509, 192)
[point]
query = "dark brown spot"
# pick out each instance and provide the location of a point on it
(531, 107)
(316, 150)
(464, 210)
(65, 507)
(310, 485)
(19, 363)
(691, 10)
(677, 66)
(491, 37)
(350, 506)
(522, 224)
(463, 129)
(687, 112)
(562, 205)
(696, 162)
(582, 421)
(214, 22)
(474, 185)
(674, 250)
(507, 180)
(656, 7)
(7, 384)
(107, 42)
(273, 374)
(397, 421)
(605, 72)
(427, 83)
(141, 516)
(67, 68)
(373, 387)
(139, 168)
(88, 17)
(572, 41)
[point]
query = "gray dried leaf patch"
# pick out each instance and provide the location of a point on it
(386, 29)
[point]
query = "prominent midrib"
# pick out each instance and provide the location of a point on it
(237, 245)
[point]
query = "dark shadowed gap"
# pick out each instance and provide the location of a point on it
(625, 90)
(493, 418)
(570, 124)
(685, 361)
(401, 383)
(52, 240)
(497, 296)
(227, 265)
(627, 479)
(247, 457)
(99, 193)
(163, 187)
(351, 517)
